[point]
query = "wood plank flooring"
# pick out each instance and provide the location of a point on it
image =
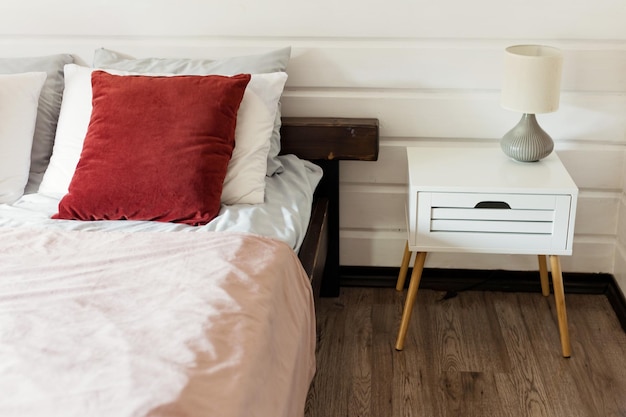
(477, 354)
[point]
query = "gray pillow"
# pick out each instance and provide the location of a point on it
(268, 62)
(47, 111)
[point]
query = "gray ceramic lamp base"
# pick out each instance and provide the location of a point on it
(527, 141)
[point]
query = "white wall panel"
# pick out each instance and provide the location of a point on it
(597, 213)
(372, 207)
(445, 64)
(619, 270)
(593, 167)
(599, 19)
(466, 114)
(391, 168)
(621, 226)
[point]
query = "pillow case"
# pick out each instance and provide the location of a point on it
(48, 110)
(157, 148)
(272, 61)
(19, 98)
(245, 179)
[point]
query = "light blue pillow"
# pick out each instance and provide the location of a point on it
(268, 62)
(47, 110)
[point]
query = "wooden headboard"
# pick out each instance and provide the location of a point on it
(326, 141)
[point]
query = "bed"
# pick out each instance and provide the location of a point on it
(108, 307)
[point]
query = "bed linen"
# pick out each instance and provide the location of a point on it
(284, 215)
(124, 318)
(94, 324)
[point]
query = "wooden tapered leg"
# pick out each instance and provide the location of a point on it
(543, 275)
(559, 297)
(404, 267)
(416, 276)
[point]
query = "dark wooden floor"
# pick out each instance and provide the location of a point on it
(477, 354)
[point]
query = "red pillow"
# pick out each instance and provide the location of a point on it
(157, 148)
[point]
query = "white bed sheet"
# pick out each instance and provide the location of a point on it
(284, 215)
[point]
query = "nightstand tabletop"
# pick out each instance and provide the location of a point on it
(484, 169)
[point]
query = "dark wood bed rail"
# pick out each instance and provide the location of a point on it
(326, 141)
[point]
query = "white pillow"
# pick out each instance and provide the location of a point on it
(48, 110)
(71, 130)
(245, 177)
(19, 97)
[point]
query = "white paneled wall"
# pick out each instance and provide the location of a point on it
(619, 269)
(448, 92)
(429, 71)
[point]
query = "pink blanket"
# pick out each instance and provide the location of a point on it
(152, 324)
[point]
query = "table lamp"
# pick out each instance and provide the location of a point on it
(532, 82)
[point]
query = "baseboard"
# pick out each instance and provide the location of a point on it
(455, 280)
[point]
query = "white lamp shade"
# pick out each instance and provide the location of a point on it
(532, 79)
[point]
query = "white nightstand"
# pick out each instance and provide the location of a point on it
(477, 200)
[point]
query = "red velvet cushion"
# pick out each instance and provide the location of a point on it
(157, 148)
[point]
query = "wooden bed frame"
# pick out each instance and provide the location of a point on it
(326, 141)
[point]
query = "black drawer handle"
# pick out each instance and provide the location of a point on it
(493, 205)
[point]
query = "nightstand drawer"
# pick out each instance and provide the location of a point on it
(492, 222)
(492, 213)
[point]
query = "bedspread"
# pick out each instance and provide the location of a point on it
(152, 324)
